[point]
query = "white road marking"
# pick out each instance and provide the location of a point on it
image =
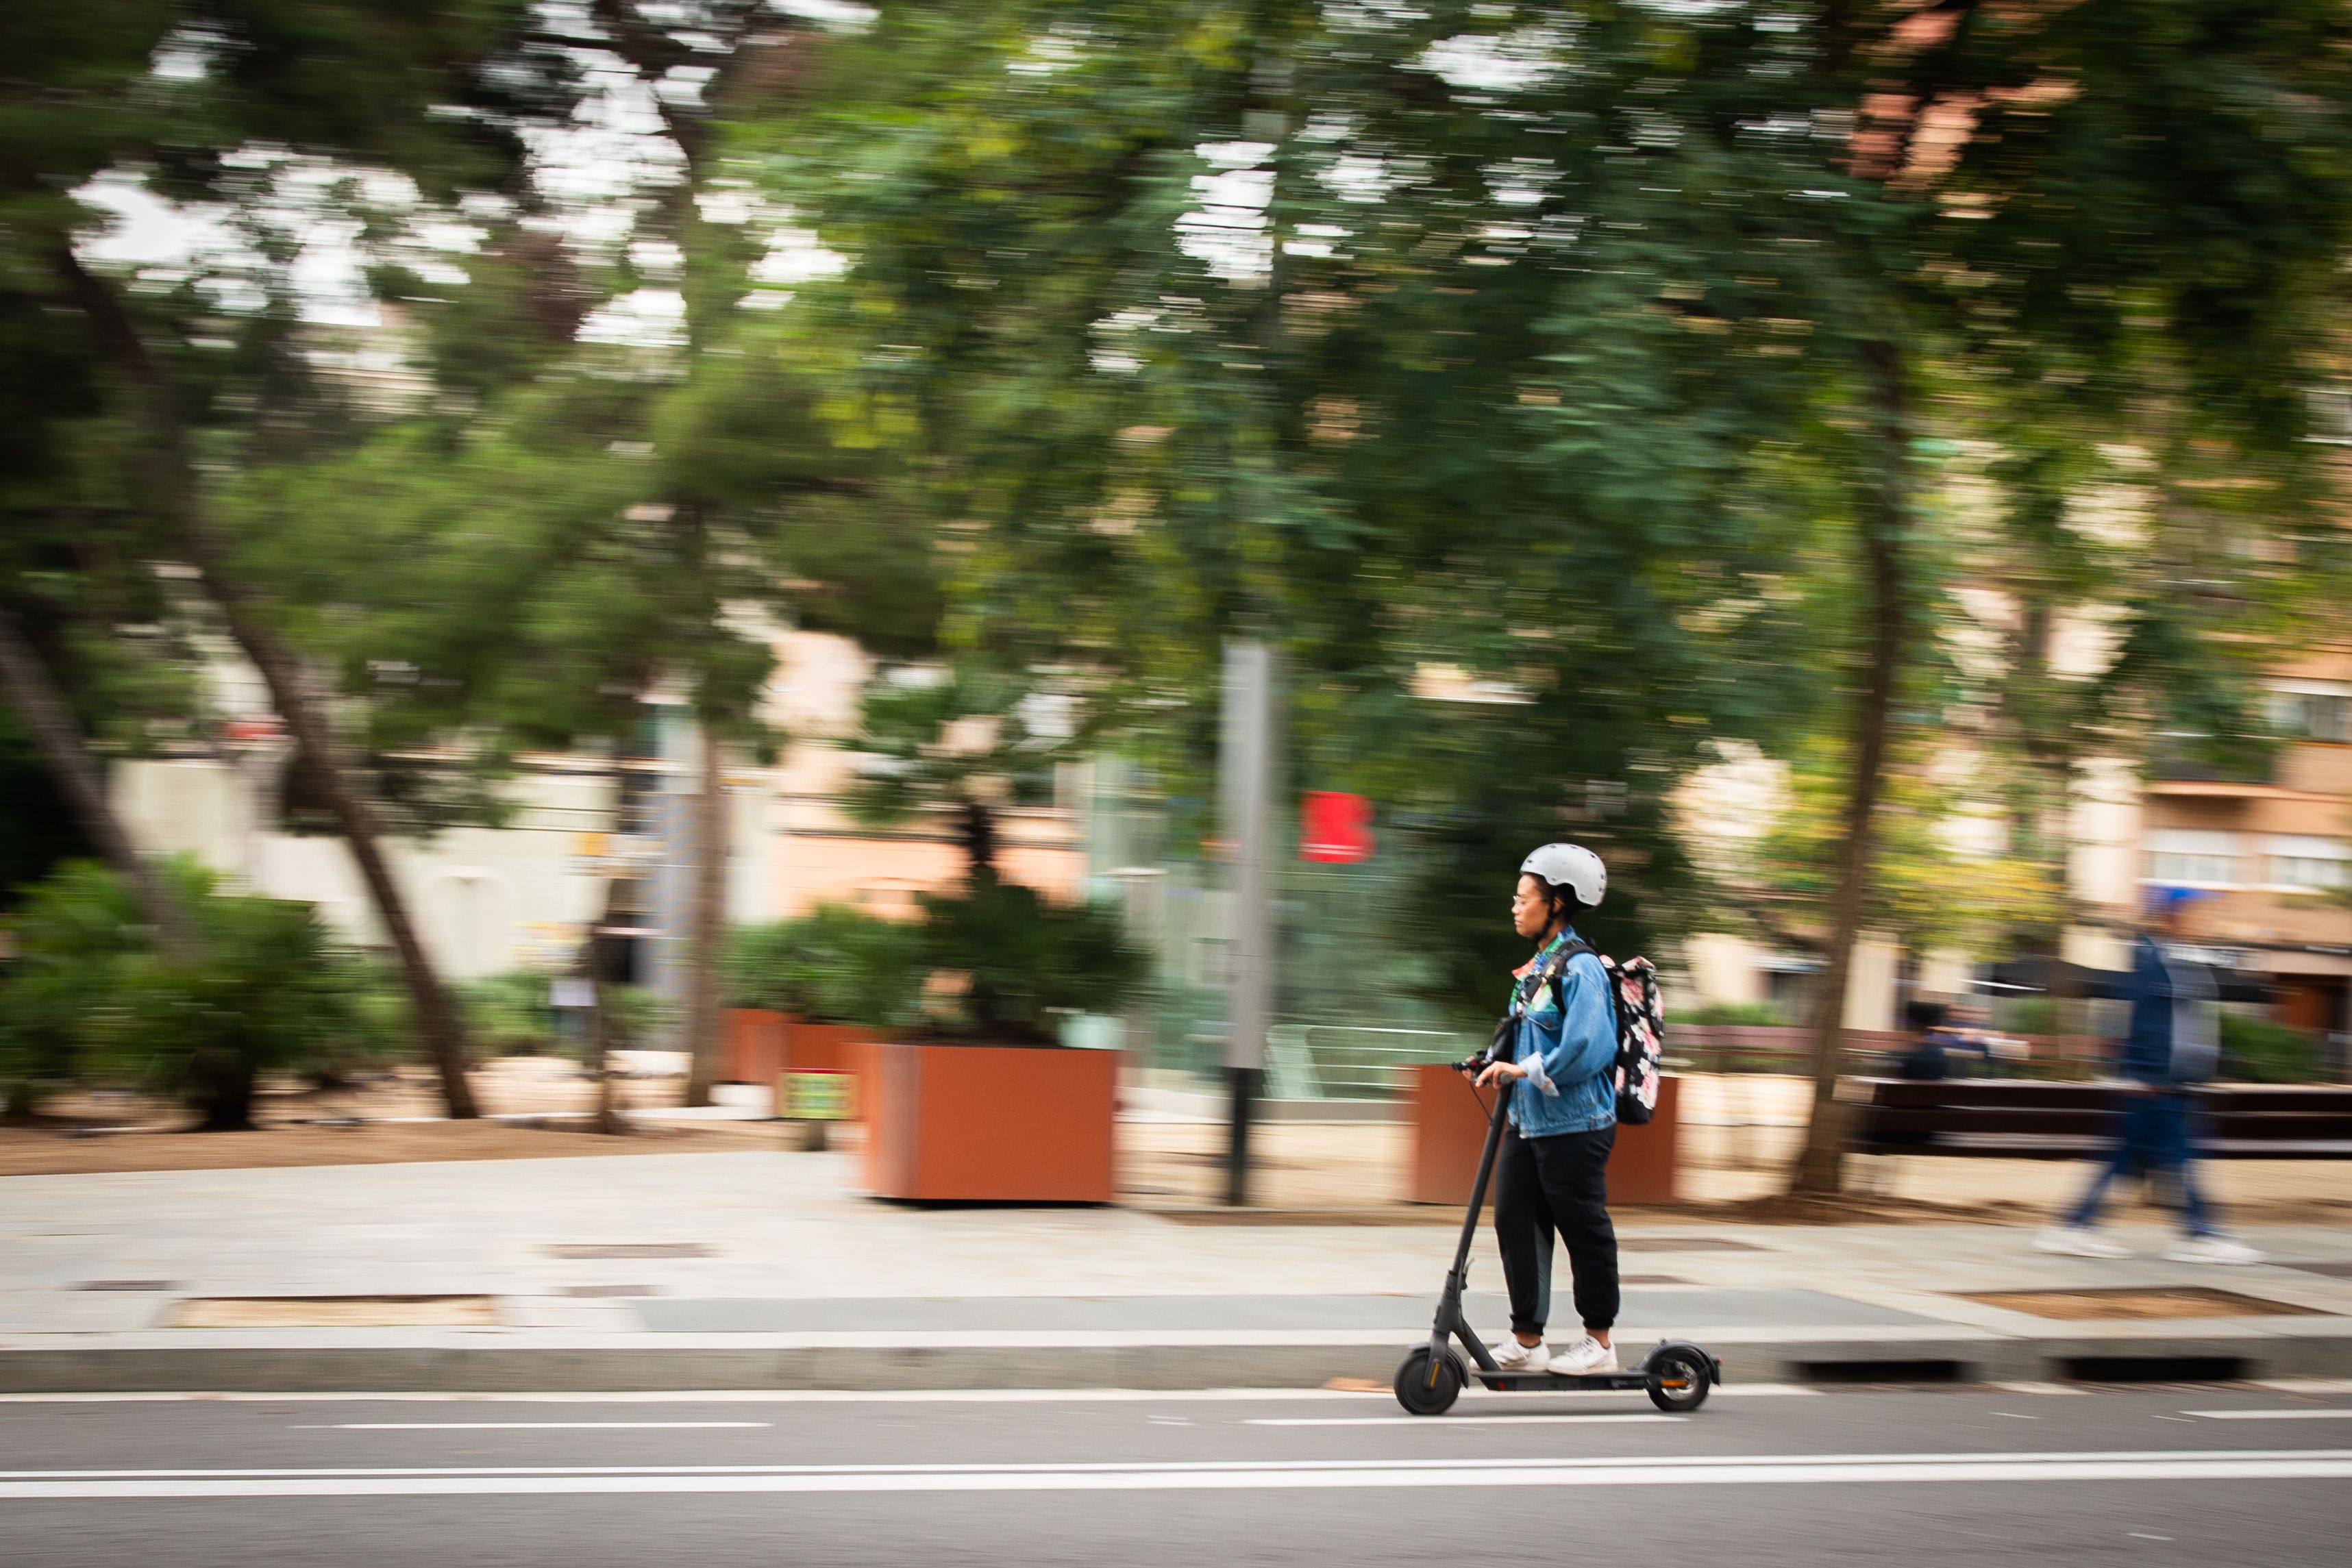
(2044, 1388)
(2144, 1535)
(1593, 1420)
(1801, 1470)
(522, 1426)
(849, 1397)
(2272, 1415)
(742, 1397)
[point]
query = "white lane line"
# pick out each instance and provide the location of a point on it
(870, 1397)
(757, 1396)
(522, 1426)
(2272, 1415)
(1782, 1469)
(1433, 1421)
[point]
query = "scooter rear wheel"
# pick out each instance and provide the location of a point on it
(1679, 1381)
(1427, 1385)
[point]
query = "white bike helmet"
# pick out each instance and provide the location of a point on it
(1570, 865)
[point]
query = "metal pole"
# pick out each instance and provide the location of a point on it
(1247, 763)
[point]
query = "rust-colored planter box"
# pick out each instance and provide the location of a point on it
(754, 1043)
(990, 1123)
(1449, 1127)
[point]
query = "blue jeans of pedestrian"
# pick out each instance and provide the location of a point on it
(2159, 1133)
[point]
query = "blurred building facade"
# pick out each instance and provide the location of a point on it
(2265, 852)
(2268, 849)
(520, 895)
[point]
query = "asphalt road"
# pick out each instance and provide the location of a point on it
(2177, 1475)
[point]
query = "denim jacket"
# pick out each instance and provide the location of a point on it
(1567, 1040)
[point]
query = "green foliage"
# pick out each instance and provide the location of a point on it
(1581, 382)
(1751, 1013)
(958, 741)
(507, 1014)
(2262, 1052)
(834, 965)
(1024, 960)
(2027, 1015)
(91, 999)
(1931, 888)
(510, 1014)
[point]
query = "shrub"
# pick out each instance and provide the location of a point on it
(1767, 1014)
(1024, 959)
(2264, 1051)
(90, 998)
(512, 1015)
(1019, 958)
(836, 964)
(508, 1014)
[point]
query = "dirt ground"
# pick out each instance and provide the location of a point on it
(309, 1127)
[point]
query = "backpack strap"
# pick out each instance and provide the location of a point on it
(1555, 966)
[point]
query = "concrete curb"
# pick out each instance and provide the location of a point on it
(435, 1365)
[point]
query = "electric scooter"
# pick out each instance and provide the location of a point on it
(1676, 1375)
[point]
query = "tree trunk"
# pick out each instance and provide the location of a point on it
(1885, 513)
(976, 824)
(707, 923)
(595, 964)
(224, 1093)
(60, 741)
(175, 490)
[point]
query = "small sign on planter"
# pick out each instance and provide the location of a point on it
(815, 1099)
(825, 1095)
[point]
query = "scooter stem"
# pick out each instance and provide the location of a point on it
(1450, 1322)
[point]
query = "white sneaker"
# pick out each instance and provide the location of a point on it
(1513, 1356)
(2214, 1250)
(1585, 1356)
(2078, 1241)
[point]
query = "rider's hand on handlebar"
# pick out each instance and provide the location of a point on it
(1500, 1071)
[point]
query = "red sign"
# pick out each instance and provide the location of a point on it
(1334, 828)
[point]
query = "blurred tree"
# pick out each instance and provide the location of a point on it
(1945, 875)
(191, 95)
(1599, 352)
(60, 741)
(956, 742)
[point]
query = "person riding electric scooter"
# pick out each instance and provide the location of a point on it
(1580, 1050)
(1550, 1171)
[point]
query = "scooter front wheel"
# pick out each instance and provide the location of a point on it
(1428, 1384)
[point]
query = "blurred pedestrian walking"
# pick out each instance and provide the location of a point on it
(2172, 1044)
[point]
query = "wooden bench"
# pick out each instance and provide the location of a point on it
(1777, 1047)
(2021, 1119)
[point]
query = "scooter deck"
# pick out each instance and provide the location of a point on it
(1622, 1380)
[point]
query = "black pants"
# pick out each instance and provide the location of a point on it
(1555, 1184)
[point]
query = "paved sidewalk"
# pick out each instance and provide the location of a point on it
(761, 1269)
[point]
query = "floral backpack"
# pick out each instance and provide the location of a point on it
(1641, 1028)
